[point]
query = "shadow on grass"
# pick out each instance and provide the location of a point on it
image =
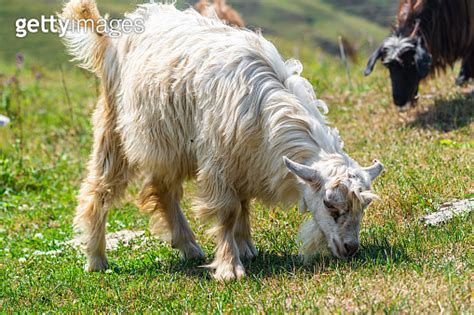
(381, 254)
(269, 264)
(169, 265)
(446, 115)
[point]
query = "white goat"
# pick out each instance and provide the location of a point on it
(194, 98)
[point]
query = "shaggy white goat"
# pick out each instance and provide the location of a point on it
(194, 98)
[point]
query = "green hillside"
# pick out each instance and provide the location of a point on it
(298, 23)
(312, 22)
(378, 11)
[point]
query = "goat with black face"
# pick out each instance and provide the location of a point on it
(430, 35)
(408, 61)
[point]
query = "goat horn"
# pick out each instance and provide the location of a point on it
(416, 28)
(304, 172)
(374, 170)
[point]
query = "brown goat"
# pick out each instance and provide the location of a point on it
(429, 36)
(224, 12)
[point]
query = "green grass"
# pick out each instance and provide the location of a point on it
(402, 265)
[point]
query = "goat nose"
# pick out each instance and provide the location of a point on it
(351, 248)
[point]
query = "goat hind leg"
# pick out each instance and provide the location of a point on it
(107, 180)
(91, 216)
(167, 218)
(103, 187)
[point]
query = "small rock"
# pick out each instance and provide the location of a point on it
(4, 120)
(48, 253)
(113, 240)
(448, 210)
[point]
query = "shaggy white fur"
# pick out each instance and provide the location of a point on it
(395, 46)
(194, 98)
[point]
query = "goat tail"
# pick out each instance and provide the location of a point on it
(82, 38)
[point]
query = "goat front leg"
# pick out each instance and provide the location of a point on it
(467, 70)
(227, 261)
(224, 209)
(243, 233)
(219, 203)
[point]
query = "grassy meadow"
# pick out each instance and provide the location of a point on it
(402, 266)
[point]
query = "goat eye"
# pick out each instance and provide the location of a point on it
(335, 214)
(332, 210)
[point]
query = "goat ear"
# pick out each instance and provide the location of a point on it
(305, 173)
(376, 55)
(423, 60)
(375, 170)
(368, 197)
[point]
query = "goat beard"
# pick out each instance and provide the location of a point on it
(313, 240)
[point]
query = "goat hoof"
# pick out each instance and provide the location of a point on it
(193, 251)
(229, 272)
(95, 264)
(247, 249)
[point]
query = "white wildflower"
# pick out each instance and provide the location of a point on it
(4, 120)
